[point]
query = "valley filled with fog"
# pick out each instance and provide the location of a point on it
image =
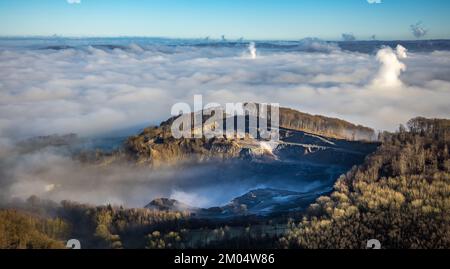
(112, 88)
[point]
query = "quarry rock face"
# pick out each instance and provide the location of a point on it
(313, 151)
(261, 177)
(301, 134)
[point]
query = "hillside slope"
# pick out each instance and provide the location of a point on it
(324, 126)
(400, 196)
(156, 146)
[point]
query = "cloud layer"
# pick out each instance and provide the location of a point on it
(93, 91)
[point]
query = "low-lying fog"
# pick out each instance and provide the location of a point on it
(93, 90)
(52, 174)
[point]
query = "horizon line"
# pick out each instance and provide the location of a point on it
(56, 36)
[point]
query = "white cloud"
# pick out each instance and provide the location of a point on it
(252, 50)
(91, 91)
(191, 199)
(391, 68)
(401, 52)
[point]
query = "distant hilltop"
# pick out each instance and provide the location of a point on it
(324, 126)
(300, 131)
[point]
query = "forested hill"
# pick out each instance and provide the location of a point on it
(156, 145)
(324, 126)
(400, 196)
(313, 124)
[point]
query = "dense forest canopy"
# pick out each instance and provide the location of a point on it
(24, 230)
(400, 196)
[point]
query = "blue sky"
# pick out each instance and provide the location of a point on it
(252, 19)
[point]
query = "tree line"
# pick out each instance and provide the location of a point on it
(400, 196)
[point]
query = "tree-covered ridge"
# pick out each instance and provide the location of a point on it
(400, 196)
(21, 230)
(157, 146)
(324, 126)
(40, 224)
(115, 227)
